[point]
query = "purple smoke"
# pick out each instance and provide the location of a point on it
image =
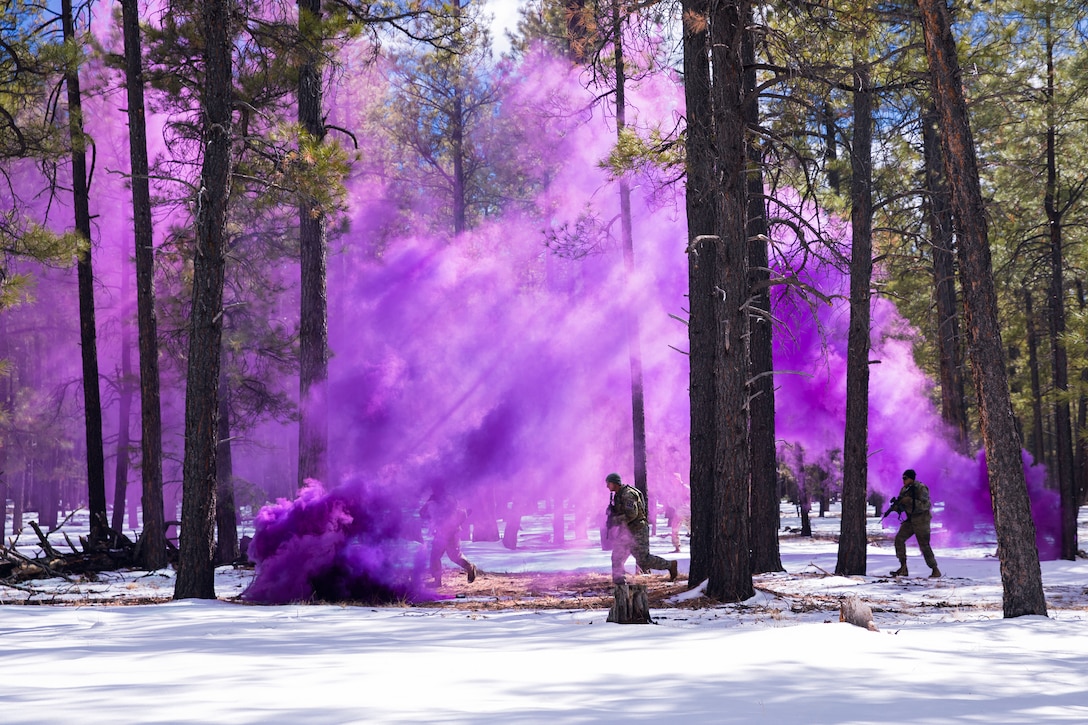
(353, 543)
(501, 370)
(905, 427)
(496, 362)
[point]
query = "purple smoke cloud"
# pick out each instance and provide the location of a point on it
(353, 543)
(487, 364)
(496, 363)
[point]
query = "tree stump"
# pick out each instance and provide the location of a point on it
(857, 613)
(631, 605)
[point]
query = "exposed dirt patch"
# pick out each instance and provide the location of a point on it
(550, 590)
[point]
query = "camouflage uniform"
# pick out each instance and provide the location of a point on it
(446, 518)
(630, 533)
(913, 500)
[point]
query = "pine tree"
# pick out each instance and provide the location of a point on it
(196, 565)
(1021, 576)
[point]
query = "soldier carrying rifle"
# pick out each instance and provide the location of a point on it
(913, 501)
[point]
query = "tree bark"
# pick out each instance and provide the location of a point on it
(630, 605)
(634, 344)
(124, 395)
(153, 547)
(1038, 439)
(226, 516)
(764, 516)
(457, 130)
(7, 385)
(1063, 432)
(718, 292)
(852, 538)
(92, 396)
(1021, 576)
(313, 243)
(719, 309)
(950, 351)
(702, 214)
(559, 527)
(196, 565)
(1080, 460)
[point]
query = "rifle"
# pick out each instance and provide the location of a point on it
(612, 517)
(891, 507)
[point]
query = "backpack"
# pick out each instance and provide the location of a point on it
(640, 502)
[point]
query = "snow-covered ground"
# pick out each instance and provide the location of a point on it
(943, 652)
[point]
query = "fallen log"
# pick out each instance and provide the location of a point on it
(23, 568)
(95, 556)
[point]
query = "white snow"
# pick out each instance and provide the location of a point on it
(943, 652)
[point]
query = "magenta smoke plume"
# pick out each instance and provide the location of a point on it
(905, 428)
(353, 543)
(500, 369)
(497, 362)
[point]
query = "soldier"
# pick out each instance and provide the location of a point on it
(913, 500)
(445, 518)
(629, 531)
(678, 511)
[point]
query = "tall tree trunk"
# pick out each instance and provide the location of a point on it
(18, 499)
(722, 312)
(804, 494)
(484, 518)
(1021, 576)
(48, 491)
(226, 516)
(92, 397)
(939, 216)
(153, 540)
(1063, 433)
(559, 522)
(764, 516)
(124, 394)
(852, 539)
(634, 344)
(457, 128)
(7, 406)
(457, 134)
(1038, 439)
(702, 216)
(196, 565)
(313, 240)
(1080, 462)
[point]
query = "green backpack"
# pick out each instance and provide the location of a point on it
(640, 502)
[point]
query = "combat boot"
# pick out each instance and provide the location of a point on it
(672, 570)
(901, 571)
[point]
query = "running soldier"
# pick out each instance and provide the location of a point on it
(445, 517)
(630, 532)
